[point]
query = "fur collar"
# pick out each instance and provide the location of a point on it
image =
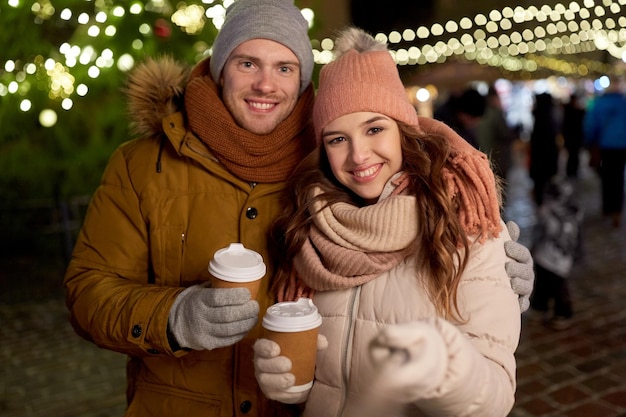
(155, 89)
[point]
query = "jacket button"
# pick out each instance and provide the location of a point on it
(137, 330)
(251, 213)
(245, 406)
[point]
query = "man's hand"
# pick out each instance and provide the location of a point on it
(520, 269)
(204, 318)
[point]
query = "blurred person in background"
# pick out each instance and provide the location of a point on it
(495, 137)
(544, 151)
(605, 133)
(556, 248)
(463, 112)
(572, 131)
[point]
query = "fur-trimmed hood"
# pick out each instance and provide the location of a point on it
(155, 89)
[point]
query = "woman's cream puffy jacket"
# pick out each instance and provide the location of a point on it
(351, 318)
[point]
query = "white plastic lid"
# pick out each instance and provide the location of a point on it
(238, 264)
(292, 316)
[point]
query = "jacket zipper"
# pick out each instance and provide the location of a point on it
(347, 347)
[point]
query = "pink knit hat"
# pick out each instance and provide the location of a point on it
(363, 77)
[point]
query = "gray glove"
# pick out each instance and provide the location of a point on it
(520, 269)
(204, 318)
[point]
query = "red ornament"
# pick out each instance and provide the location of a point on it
(162, 28)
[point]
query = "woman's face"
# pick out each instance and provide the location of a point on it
(364, 152)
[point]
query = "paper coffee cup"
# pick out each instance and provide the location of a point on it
(294, 326)
(237, 266)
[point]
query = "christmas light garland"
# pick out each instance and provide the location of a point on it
(501, 38)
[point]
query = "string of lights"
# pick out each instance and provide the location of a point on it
(515, 39)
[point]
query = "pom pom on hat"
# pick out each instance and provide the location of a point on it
(363, 77)
(277, 20)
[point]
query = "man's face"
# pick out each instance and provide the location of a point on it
(260, 84)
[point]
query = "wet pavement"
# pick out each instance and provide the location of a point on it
(580, 371)
(47, 370)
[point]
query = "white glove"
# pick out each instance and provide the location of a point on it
(273, 371)
(411, 360)
(520, 269)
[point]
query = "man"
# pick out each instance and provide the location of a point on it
(209, 170)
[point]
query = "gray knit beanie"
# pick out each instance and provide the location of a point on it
(276, 20)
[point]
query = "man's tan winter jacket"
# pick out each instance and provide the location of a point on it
(145, 227)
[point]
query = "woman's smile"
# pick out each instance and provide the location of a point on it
(368, 173)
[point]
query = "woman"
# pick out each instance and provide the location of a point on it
(396, 229)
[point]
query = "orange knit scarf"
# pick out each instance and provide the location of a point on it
(470, 178)
(257, 158)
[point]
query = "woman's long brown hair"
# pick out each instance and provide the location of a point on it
(441, 244)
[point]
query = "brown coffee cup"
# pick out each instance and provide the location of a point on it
(294, 326)
(236, 266)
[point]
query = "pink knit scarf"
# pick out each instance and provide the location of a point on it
(350, 245)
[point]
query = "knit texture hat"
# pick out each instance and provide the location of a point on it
(363, 77)
(276, 20)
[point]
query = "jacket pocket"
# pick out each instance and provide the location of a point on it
(151, 400)
(167, 251)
